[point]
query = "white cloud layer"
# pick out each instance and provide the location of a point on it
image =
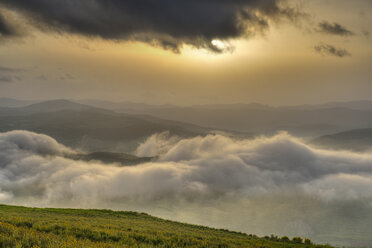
(266, 185)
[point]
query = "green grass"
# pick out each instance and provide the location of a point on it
(35, 227)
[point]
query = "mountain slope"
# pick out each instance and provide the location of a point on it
(357, 140)
(241, 118)
(260, 120)
(35, 227)
(303, 120)
(47, 107)
(111, 157)
(55, 105)
(89, 128)
(125, 105)
(356, 105)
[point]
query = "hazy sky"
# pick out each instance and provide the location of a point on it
(187, 51)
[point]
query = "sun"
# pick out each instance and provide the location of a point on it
(223, 49)
(218, 44)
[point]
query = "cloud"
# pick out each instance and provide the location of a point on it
(366, 33)
(7, 28)
(24, 141)
(9, 78)
(5, 79)
(265, 185)
(9, 69)
(334, 29)
(67, 76)
(156, 144)
(163, 23)
(9, 75)
(326, 49)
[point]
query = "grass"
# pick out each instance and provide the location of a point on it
(36, 227)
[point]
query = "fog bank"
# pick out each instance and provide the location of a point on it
(265, 185)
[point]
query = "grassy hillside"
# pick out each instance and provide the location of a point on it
(33, 227)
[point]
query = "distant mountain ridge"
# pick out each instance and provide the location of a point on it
(112, 105)
(45, 107)
(56, 105)
(111, 157)
(303, 120)
(357, 140)
(89, 128)
(120, 106)
(356, 105)
(307, 121)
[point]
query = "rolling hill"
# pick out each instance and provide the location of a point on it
(357, 140)
(263, 120)
(111, 157)
(309, 121)
(47, 107)
(356, 105)
(88, 128)
(35, 227)
(125, 105)
(303, 120)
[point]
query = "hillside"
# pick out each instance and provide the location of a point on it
(357, 140)
(88, 128)
(47, 107)
(111, 157)
(356, 105)
(307, 121)
(34, 227)
(268, 120)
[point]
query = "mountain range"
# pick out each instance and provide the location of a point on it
(96, 125)
(356, 140)
(88, 128)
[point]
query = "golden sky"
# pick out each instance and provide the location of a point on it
(324, 54)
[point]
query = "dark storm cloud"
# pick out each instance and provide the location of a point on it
(333, 28)
(326, 49)
(6, 30)
(165, 23)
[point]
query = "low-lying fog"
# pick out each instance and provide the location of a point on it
(262, 186)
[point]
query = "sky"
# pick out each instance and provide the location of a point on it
(184, 52)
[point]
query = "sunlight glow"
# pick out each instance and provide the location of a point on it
(218, 44)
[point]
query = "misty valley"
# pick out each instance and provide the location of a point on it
(185, 124)
(276, 179)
